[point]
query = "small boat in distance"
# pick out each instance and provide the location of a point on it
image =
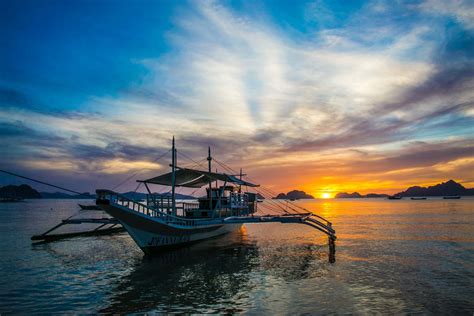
(394, 197)
(89, 207)
(452, 197)
(9, 199)
(418, 198)
(162, 222)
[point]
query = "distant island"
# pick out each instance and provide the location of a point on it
(448, 188)
(25, 191)
(293, 195)
(356, 195)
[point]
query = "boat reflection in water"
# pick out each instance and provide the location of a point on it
(217, 275)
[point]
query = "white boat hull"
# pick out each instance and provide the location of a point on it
(151, 242)
(154, 234)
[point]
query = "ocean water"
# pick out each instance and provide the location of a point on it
(391, 257)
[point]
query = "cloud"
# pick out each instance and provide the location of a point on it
(245, 78)
(37, 149)
(461, 10)
(417, 156)
(261, 96)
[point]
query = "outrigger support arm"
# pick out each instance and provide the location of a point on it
(306, 219)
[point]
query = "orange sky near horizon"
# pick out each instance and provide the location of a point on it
(345, 178)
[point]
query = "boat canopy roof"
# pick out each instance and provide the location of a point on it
(191, 178)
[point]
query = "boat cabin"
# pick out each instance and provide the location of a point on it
(220, 201)
(226, 201)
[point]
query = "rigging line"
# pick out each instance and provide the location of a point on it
(273, 193)
(269, 201)
(139, 171)
(199, 163)
(272, 201)
(228, 168)
(263, 188)
(189, 158)
(192, 193)
(233, 171)
(223, 165)
(301, 208)
(275, 202)
(271, 207)
(195, 164)
(45, 183)
(133, 194)
(287, 205)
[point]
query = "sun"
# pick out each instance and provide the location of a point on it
(326, 195)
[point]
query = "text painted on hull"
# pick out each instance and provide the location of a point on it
(168, 240)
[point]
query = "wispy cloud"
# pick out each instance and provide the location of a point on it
(460, 10)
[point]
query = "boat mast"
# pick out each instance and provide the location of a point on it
(209, 159)
(240, 185)
(173, 178)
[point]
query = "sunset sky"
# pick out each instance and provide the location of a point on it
(321, 96)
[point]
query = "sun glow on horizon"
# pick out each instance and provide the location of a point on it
(326, 195)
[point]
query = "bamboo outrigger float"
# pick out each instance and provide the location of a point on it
(105, 226)
(164, 222)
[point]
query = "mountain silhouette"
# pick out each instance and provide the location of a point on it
(23, 191)
(450, 187)
(357, 195)
(294, 195)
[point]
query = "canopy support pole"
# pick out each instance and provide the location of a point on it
(219, 198)
(209, 159)
(240, 178)
(173, 179)
(150, 197)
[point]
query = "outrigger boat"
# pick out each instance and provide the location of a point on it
(89, 207)
(394, 197)
(10, 199)
(451, 197)
(163, 222)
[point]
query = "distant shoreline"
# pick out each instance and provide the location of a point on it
(448, 188)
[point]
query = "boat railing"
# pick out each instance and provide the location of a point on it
(189, 206)
(164, 203)
(119, 199)
(159, 202)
